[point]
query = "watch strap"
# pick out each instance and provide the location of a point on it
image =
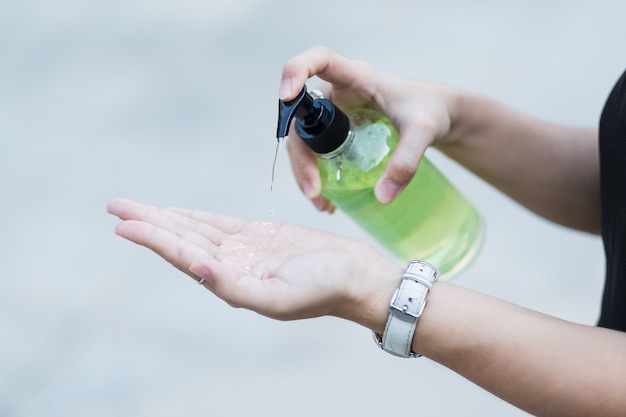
(406, 307)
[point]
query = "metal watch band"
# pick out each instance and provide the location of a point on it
(406, 307)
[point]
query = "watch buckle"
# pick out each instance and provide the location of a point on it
(409, 309)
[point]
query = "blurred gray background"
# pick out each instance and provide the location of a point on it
(174, 103)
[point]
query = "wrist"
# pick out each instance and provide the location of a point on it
(460, 105)
(472, 117)
(449, 103)
(369, 295)
(406, 308)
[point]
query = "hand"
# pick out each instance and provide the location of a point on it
(279, 270)
(420, 112)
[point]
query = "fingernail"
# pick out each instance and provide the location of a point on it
(307, 189)
(387, 191)
(284, 90)
(319, 203)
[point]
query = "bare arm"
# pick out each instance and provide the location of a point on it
(553, 170)
(539, 363)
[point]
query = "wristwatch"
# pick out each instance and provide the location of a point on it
(405, 309)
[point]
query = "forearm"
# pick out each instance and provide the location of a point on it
(552, 170)
(541, 364)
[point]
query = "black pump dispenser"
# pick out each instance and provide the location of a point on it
(319, 123)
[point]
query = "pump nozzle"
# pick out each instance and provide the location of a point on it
(300, 106)
(319, 123)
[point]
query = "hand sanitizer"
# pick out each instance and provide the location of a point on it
(429, 220)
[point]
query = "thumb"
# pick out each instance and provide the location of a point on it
(402, 165)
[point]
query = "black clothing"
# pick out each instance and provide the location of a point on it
(612, 142)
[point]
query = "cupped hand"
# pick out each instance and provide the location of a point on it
(279, 270)
(421, 113)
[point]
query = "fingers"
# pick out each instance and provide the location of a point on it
(229, 225)
(238, 291)
(403, 163)
(417, 110)
(316, 61)
(177, 236)
(207, 224)
(304, 167)
(338, 72)
(126, 209)
(178, 251)
(421, 118)
(300, 68)
(192, 227)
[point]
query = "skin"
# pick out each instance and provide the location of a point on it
(544, 365)
(551, 169)
(541, 364)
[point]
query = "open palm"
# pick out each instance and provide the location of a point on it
(279, 270)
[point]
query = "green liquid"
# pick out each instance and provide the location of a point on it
(428, 220)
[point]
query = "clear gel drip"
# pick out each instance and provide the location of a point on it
(278, 143)
(272, 188)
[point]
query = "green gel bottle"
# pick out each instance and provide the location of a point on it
(428, 220)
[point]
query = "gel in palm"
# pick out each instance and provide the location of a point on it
(428, 220)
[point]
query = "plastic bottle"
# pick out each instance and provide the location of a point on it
(428, 220)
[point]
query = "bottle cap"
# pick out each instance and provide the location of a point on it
(319, 123)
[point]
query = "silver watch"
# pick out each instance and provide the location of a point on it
(406, 307)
